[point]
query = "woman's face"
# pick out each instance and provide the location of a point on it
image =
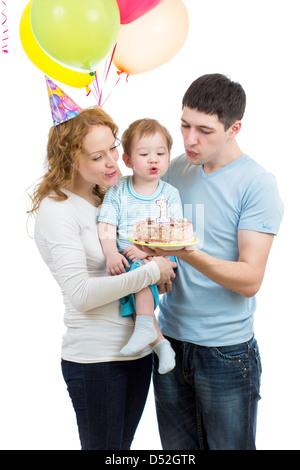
(98, 161)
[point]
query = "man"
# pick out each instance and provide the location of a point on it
(209, 401)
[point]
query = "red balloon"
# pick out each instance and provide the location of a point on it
(130, 10)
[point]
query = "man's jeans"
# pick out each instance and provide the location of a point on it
(209, 401)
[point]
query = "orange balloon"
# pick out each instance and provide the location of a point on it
(153, 39)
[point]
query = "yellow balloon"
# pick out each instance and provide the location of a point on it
(47, 65)
(152, 39)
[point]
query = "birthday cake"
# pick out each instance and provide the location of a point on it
(176, 231)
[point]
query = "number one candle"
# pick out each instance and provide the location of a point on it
(163, 203)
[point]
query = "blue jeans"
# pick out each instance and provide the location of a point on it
(209, 401)
(108, 399)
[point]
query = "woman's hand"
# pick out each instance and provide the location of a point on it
(166, 273)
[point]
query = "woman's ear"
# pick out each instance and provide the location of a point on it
(127, 160)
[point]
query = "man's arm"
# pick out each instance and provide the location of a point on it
(243, 276)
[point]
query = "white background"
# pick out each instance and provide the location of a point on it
(255, 42)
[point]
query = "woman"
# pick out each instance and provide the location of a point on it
(108, 392)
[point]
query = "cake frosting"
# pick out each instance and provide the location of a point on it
(174, 232)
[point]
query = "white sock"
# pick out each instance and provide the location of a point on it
(166, 356)
(144, 334)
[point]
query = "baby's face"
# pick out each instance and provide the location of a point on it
(149, 156)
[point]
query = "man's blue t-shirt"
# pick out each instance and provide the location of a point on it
(241, 195)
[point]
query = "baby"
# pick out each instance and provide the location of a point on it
(147, 145)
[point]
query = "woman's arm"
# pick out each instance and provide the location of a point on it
(86, 293)
(57, 235)
(97, 291)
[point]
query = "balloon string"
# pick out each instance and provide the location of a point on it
(4, 47)
(98, 89)
(111, 59)
(95, 84)
(119, 73)
(98, 94)
(105, 76)
(94, 93)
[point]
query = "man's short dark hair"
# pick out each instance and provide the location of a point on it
(217, 94)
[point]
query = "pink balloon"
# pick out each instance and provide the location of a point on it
(68, 103)
(130, 10)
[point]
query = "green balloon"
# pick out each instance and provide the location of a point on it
(76, 33)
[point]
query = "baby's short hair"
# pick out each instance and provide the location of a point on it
(144, 127)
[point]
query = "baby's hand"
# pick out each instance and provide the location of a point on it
(115, 264)
(133, 253)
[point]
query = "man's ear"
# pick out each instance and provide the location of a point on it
(127, 160)
(235, 129)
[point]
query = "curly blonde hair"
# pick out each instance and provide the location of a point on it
(63, 150)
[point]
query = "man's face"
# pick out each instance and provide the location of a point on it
(204, 136)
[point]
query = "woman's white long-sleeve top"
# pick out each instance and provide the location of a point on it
(66, 236)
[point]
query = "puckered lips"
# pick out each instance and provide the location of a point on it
(111, 175)
(190, 153)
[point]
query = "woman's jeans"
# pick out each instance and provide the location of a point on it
(209, 401)
(108, 399)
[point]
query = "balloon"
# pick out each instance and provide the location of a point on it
(41, 60)
(71, 114)
(153, 39)
(55, 100)
(76, 33)
(130, 10)
(60, 114)
(68, 103)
